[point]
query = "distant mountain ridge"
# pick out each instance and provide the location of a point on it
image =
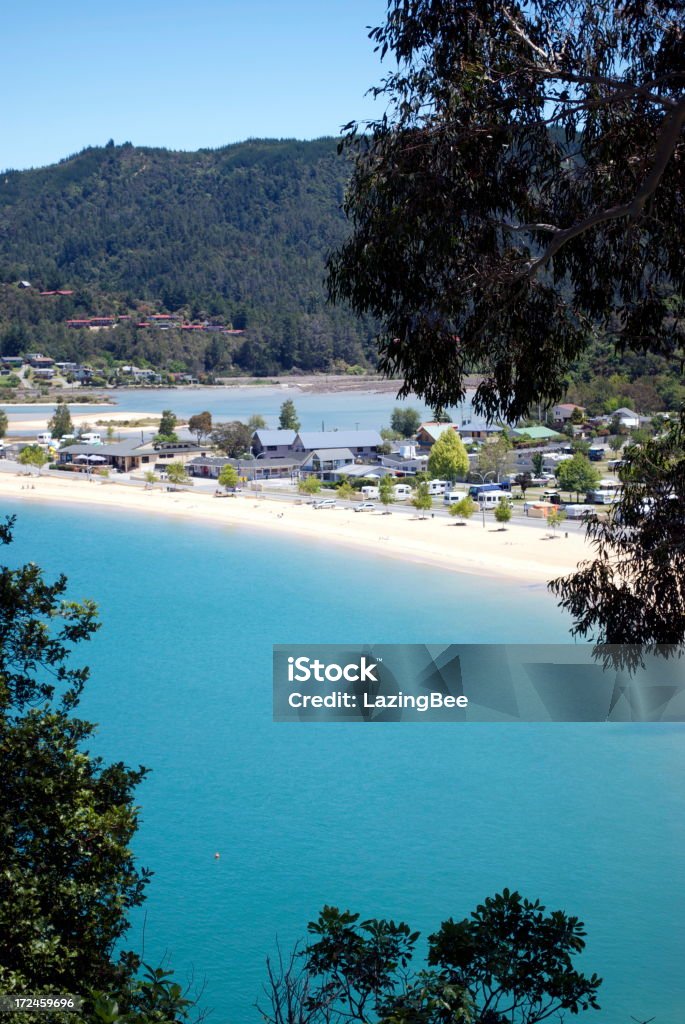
(237, 235)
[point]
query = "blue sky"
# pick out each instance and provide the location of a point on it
(179, 73)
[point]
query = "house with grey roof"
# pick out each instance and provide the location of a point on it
(273, 444)
(325, 461)
(130, 455)
(363, 444)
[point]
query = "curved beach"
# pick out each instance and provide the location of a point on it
(528, 554)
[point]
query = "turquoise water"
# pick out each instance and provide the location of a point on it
(415, 822)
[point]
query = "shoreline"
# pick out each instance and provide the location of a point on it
(518, 554)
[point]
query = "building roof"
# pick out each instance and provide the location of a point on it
(436, 430)
(312, 439)
(537, 433)
(328, 454)
(625, 412)
(275, 437)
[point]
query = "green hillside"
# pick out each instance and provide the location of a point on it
(236, 236)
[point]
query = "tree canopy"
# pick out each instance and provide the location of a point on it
(510, 961)
(234, 438)
(632, 592)
(448, 458)
(405, 421)
(523, 194)
(60, 422)
(578, 474)
(287, 418)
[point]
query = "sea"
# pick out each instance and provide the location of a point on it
(415, 822)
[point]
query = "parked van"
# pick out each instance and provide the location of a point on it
(552, 495)
(45, 438)
(369, 492)
(476, 489)
(91, 438)
(491, 499)
(437, 486)
(402, 492)
(579, 511)
(452, 497)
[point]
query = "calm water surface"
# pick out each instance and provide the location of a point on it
(417, 822)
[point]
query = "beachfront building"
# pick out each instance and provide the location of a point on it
(273, 444)
(540, 434)
(208, 467)
(129, 455)
(362, 444)
(325, 462)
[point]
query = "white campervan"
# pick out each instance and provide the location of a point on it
(370, 492)
(437, 486)
(45, 438)
(402, 492)
(91, 438)
(491, 499)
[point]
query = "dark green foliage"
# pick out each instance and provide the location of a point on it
(60, 423)
(288, 419)
(236, 236)
(405, 421)
(578, 474)
(3, 422)
(200, 425)
(167, 425)
(632, 592)
(515, 960)
(523, 194)
(510, 961)
(66, 821)
(235, 438)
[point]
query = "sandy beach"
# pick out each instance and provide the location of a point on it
(526, 554)
(91, 417)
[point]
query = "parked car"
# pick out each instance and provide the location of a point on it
(325, 503)
(364, 506)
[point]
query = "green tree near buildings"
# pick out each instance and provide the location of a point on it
(167, 427)
(309, 485)
(492, 456)
(200, 425)
(60, 422)
(228, 477)
(464, 508)
(234, 438)
(503, 512)
(345, 490)
(33, 455)
(578, 474)
(448, 459)
(256, 422)
(421, 499)
(555, 517)
(537, 459)
(386, 492)
(177, 474)
(287, 419)
(405, 421)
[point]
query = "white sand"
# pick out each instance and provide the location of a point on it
(79, 418)
(522, 553)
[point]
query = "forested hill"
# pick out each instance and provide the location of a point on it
(236, 236)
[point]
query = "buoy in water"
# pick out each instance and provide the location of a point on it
(217, 856)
